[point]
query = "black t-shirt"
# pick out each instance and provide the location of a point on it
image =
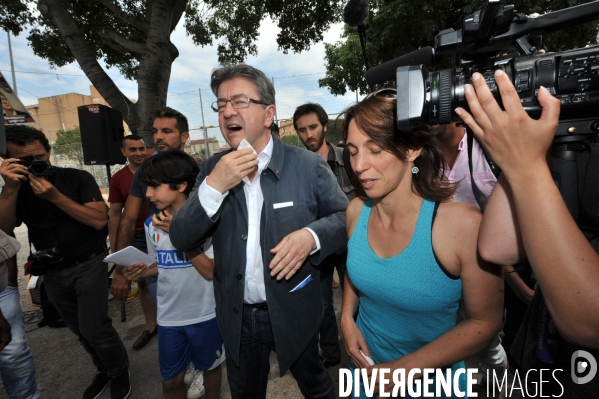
(49, 226)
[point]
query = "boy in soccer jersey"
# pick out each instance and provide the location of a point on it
(187, 328)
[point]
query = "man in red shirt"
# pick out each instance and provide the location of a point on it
(134, 149)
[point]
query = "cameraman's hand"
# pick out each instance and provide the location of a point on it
(518, 143)
(120, 286)
(13, 173)
(43, 188)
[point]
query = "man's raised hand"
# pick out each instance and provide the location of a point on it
(231, 169)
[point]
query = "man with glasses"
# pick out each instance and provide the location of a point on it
(274, 213)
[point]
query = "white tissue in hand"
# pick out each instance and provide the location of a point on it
(368, 358)
(244, 144)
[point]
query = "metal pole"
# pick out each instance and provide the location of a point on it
(276, 116)
(12, 66)
(357, 96)
(207, 155)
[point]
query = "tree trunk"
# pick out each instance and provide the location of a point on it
(55, 11)
(154, 66)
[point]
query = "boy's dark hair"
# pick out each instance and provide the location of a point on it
(173, 167)
(167, 112)
(309, 108)
(22, 135)
(133, 137)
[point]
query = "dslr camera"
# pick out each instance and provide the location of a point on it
(36, 168)
(39, 262)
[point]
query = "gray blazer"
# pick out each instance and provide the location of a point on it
(293, 175)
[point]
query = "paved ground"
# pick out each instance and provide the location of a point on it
(64, 369)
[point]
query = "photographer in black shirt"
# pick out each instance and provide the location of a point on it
(66, 215)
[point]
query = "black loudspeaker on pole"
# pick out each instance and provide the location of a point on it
(101, 134)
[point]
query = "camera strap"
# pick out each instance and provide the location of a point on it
(481, 199)
(29, 242)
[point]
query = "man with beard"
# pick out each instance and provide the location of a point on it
(310, 121)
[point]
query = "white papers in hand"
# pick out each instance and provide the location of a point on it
(130, 255)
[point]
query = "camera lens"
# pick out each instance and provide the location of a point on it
(445, 96)
(39, 168)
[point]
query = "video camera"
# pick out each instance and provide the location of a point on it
(430, 97)
(36, 168)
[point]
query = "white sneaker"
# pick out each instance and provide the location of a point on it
(196, 389)
(189, 373)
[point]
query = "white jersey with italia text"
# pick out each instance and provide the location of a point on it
(184, 297)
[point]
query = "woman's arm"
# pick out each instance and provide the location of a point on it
(513, 279)
(203, 264)
(499, 239)
(354, 340)
(563, 261)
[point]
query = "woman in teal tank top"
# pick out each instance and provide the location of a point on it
(412, 255)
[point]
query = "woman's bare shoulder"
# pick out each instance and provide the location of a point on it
(352, 213)
(458, 222)
(455, 234)
(458, 213)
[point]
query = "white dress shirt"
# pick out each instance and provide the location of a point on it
(212, 200)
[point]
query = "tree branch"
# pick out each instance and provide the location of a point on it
(118, 11)
(178, 9)
(110, 35)
(55, 11)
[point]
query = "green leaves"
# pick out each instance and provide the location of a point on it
(397, 27)
(14, 15)
(235, 25)
(68, 144)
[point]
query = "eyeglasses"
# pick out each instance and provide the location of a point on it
(237, 103)
(386, 92)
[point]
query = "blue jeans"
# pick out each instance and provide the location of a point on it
(139, 242)
(249, 379)
(16, 362)
(80, 295)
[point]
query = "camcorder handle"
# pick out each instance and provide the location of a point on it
(521, 31)
(471, 40)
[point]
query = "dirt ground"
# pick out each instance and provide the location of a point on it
(64, 369)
